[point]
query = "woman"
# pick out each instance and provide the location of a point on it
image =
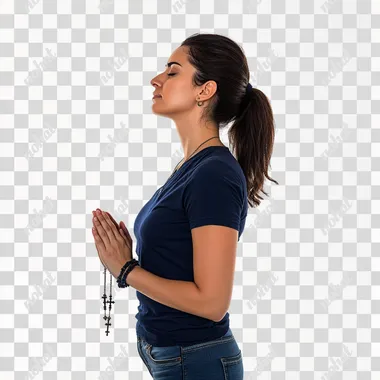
(188, 231)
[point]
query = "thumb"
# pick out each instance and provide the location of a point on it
(123, 235)
(125, 230)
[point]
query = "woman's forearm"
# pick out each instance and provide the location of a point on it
(180, 295)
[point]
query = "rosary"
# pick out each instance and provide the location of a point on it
(122, 283)
(110, 302)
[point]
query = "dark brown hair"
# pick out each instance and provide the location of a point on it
(218, 58)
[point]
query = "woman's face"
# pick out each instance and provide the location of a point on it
(174, 85)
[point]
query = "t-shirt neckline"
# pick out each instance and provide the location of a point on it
(196, 154)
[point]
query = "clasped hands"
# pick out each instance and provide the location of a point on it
(113, 242)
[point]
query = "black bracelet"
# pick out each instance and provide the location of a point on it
(121, 278)
(122, 283)
(124, 268)
(124, 277)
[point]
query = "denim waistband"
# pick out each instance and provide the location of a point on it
(226, 335)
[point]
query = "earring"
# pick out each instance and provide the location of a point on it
(200, 103)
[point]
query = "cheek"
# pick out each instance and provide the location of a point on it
(180, 102)
(179, 95)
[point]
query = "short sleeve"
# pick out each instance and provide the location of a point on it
(214, 195)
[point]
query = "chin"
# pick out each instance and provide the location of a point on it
(163, 113)
(156, 109)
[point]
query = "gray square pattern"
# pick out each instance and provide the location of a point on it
(77, 132)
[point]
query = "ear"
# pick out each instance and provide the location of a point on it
(208, 90)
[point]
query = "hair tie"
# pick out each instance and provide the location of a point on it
(249, 88)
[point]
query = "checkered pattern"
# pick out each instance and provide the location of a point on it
(79, 133)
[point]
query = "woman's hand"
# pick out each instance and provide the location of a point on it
(113, 243)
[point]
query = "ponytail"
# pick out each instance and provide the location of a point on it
(252, 137)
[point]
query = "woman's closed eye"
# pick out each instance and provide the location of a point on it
(169, 75)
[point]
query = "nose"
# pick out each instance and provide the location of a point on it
(155, 85)
(155, 82)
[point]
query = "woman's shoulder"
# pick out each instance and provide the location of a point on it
(225, 165)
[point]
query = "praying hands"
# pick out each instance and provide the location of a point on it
(113, 242)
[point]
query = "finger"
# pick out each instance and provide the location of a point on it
(113, 220)
(94, 213)
(103, 263)
(128, 236)
(99, 245)
(114, 231)
(101, 230)
(99, 255)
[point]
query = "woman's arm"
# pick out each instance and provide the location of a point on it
(181, 295)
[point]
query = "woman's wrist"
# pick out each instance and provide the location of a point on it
(131, 277)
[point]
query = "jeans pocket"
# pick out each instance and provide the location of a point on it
(169, 355)
(139, 349)
(233, 367)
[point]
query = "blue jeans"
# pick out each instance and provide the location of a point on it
(218, 359)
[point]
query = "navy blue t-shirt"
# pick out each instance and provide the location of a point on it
(209, 188)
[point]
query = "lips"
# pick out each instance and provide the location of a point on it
(157, 96)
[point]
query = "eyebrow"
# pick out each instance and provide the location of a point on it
(172, 63)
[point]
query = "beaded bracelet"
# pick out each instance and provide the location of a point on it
(123, 283)
(124, 268)
(127, 267)
(124, 277)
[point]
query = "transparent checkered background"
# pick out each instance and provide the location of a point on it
(306, 293)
